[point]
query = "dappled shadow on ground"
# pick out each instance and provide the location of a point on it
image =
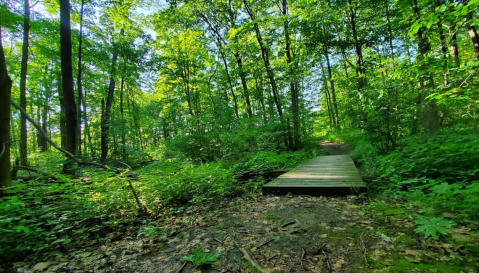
(281, 234)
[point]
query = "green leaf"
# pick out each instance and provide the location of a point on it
(431, 227)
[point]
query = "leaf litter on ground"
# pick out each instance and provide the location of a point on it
(280, 233)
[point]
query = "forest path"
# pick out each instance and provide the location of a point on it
(280, 233)
(335, 148)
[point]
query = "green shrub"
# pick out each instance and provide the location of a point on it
(190, 182)
(442, 168)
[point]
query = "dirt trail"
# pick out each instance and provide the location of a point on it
(280, 233)
(336, 148)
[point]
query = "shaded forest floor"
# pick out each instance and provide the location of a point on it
(280, 233)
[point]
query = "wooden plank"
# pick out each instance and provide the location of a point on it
(325, 175)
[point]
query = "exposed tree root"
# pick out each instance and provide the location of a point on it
(253, 263)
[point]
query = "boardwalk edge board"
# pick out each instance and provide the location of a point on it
(324, 176)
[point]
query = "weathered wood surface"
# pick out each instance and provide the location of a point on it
(324, 175)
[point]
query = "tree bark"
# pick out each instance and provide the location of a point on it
(296, 143)
(333, 93)
(390, 34)
(242, 74)
(70, 108)
(63, 129)
(109, 102)
(223, 56)
(358, 50)
(103, 144)
(43, 142)
(5, 95)
(474, 38)
(79, 80)
(23, 82)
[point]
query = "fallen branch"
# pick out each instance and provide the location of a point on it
(24, 168)
(253, 263)
(47, 138)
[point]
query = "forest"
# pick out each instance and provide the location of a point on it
(136, 136)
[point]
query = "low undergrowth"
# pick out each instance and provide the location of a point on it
(48, 215)
(440, 170)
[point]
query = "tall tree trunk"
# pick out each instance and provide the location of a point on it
(5, 95)
(43, 143)
(265, 56)
(332, 120)
(123, 140)
(109, 102)
(87, 132)
(333, 92)
(430, 116)
(103, 144)
(63, 128)
(223, 56)
(474, 37)
(296, 143)
(70, 108)
(79, 80)
(390, 33)
(242, 75)
(23, 82)
(358, 50)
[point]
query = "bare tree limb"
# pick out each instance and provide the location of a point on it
(45, 135)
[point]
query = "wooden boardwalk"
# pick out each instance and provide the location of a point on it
(324, 175)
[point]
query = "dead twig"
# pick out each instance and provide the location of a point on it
(327, 260)
(253, 263)
(181, 268)
(265, 243)
(289, 223)
(364, 247)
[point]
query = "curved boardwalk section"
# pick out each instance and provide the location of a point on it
(324, 175)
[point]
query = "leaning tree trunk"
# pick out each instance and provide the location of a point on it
(5, 93)
(69, 104)
(23, 81)
(265, 56)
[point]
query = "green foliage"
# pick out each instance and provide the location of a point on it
(440, 169)
(149, 231)
(433, 227)
(189, 182)
(199, 257)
